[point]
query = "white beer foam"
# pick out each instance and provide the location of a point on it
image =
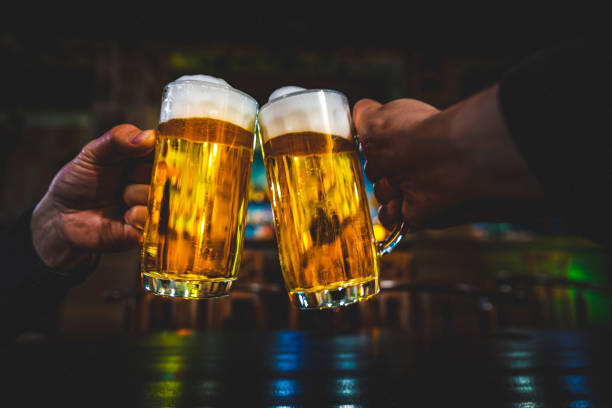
(285, 90)
(314, 110)
(203, 78)
(204, 96)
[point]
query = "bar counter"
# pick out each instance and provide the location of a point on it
(274, 368)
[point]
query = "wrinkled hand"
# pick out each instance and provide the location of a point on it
(96, 202)
(436, 169)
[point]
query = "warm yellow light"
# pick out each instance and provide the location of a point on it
(184, 332)
(380, 233)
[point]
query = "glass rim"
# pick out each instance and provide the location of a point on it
(212, 85)
(305, 91)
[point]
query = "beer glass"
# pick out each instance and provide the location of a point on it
(194, 233)
(329, 256)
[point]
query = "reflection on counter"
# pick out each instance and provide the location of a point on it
(452, 282)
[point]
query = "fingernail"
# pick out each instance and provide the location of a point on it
(142, 136)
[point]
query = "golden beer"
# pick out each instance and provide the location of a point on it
(329, 256)
(197, 209)
(321, 213)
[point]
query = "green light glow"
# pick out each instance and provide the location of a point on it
(589, 267)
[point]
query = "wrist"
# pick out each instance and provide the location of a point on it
(483, 137)
(483, 175)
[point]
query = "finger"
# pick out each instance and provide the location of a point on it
(116, 235)
(419, 210)
(390, 214)
(384, 191)
(136, 194)
(373, 170)
(140, 173)
(136, 216)
(133, 237)
(362, 110)
(118, 144)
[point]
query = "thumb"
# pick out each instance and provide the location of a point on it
(118, 144)
(362, 110)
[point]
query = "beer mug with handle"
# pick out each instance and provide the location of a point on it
(193, 237)
(329, 256)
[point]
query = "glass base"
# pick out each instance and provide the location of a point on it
(187, 289)
(323, 299)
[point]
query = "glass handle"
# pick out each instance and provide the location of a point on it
(386, 246)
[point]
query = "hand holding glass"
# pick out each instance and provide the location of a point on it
(198, 197)
(329, 256)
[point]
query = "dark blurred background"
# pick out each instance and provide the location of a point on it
(67, 78)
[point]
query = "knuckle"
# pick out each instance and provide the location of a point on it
(378, 124)
(372, 134)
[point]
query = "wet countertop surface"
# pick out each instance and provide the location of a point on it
(374, 368)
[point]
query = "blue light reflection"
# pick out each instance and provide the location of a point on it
(284, 388)
(346, 361)
(286, 362)
(522, 384)
(576, 383)
(347, 386)
(580, 404)
(288, 352)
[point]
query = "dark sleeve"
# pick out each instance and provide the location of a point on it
(557, 105)
(30, 292)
